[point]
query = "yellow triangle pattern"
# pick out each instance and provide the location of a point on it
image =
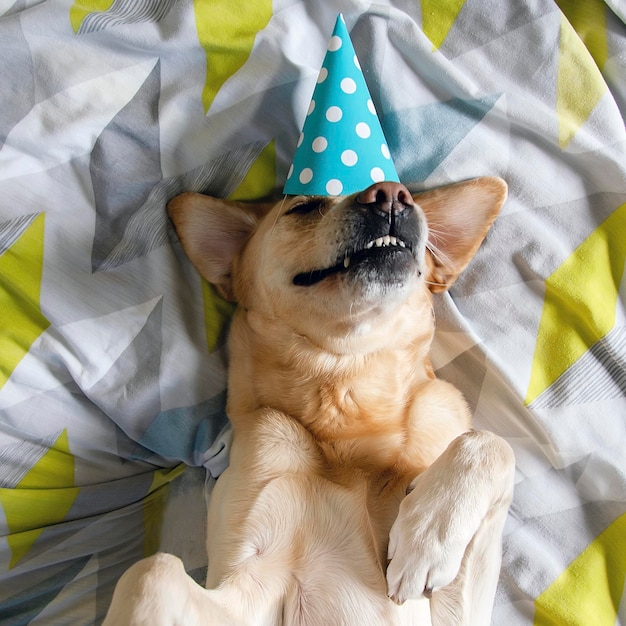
(580, 85)
(589, 20)
(21, 269)
(43, 497)
(260, 179)
(589, 591)
(580, 302)
(226, 31)
(154, 506)
(217, 313)
(81, 8)
(438, 16)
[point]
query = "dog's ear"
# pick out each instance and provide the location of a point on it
(212, 232)
(458, 217)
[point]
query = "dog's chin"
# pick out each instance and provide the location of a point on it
(355, 309)
(393, 273)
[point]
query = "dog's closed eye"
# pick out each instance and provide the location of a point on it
(306, 207)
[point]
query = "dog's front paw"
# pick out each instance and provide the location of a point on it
(440, 517)
(425, 550)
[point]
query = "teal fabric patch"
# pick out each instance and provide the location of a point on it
(184, 433)
(424, 136)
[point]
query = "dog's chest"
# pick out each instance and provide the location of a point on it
(363, 436)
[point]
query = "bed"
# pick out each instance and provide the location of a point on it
(112, 353)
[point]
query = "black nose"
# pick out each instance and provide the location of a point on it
(387, 197)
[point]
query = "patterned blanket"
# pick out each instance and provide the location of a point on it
(112, 360)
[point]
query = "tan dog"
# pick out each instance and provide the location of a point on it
(357, 493)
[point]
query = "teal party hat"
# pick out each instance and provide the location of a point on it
(342, 148)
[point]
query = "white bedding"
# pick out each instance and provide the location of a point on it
(112, 361)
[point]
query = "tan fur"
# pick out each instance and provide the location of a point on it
(336, 414)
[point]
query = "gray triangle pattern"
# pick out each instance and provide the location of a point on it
(93, 504)
(46, 583)
(481, 25)
(120, 191)
(18, 95)
(599, 374)
(131, 386)
(546, 509)
(148, 227)
(12, 230)
(126, 12)
(17, 459)
(466, 372)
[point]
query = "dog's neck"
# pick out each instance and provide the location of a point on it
(361, 394)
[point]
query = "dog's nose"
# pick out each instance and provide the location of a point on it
(388, 197)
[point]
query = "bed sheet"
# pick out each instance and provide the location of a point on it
(112, 360)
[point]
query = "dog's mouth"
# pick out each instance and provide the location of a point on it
(381, 251)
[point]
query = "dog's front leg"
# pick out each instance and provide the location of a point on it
(158, 592)
(446, 540)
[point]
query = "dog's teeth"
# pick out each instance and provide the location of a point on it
(346, 262)
(387, 240)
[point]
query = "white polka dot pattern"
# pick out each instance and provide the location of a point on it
(342, 148)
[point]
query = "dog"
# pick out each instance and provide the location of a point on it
(357, 492)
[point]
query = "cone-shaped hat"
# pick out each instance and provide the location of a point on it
(342, 148)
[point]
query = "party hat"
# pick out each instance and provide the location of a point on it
(342, 148)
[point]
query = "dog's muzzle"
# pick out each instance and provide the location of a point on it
(382, 232)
